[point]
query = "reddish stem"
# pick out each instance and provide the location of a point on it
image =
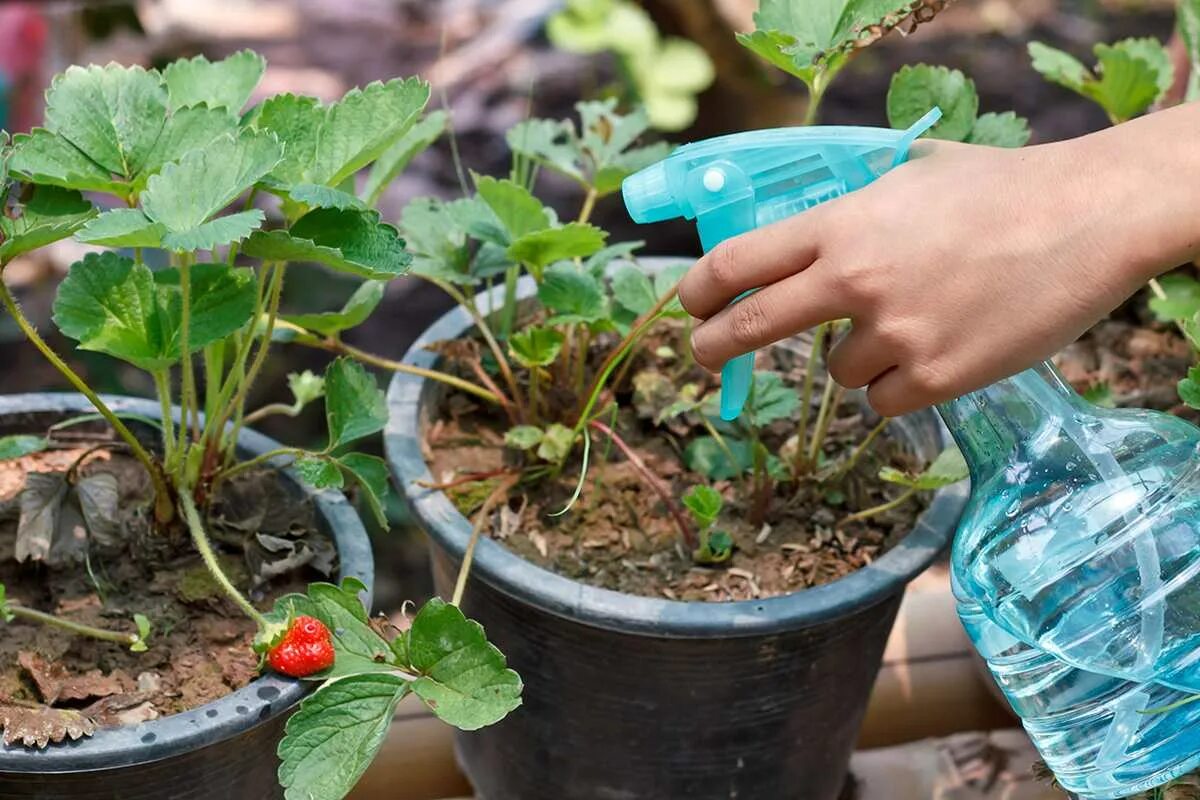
(469, 477)
(656, 483)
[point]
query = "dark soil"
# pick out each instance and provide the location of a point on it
(621, 535)
(200, 644)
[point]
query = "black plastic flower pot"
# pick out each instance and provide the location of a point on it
(224, 750)
(634, 698)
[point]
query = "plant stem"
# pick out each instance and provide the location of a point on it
(332, 345)
(863, 446)
(268, 410)
(204, 547)
(831, 398)
(238, 405)
(654, 482)
(481, 517)
(485, 331)
(534, 398)
(188, 380)
(162, 387)
(816, 92)
(589, 205)
(508, 314)
(242, 466)
(858, 516)
(163, 510)
(74, 627)
(810, 373)
(214, 363)
(619, 352)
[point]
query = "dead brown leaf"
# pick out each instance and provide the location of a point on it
(120, 710)
(38, 725)
(55, 683)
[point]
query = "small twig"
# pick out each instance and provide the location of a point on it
(654, 482)
(481, 518)
(469, 477)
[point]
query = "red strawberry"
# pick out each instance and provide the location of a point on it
(306, 648)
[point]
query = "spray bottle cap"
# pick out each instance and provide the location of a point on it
(736, 183)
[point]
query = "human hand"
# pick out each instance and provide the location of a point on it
(960, 267)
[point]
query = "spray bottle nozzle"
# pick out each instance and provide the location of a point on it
(733, 184)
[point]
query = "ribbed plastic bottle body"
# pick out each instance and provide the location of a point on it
(1091, 729)
(1083, 541)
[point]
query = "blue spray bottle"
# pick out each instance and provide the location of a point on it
(1076, 566)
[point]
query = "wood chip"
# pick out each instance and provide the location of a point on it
(539, 542)
(763, 534)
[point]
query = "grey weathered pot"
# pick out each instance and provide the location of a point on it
(635, 698)
(224, 750)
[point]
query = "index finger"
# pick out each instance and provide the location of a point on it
(758, 258)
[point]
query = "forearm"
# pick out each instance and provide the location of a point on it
(1143, 178)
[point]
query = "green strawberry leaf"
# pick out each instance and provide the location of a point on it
(916, 89)
(600, 155)
(599, 261)
(358, 308)
(370, 473)
(948, 468)
(1189, 388)
(185, 194)
(1181, 300)
(314, 195)
(319, 472)
(122, 227)
(556, 444)
(706, 456)
(668, 81)
(770, 399)
(1130, 75)
(535, 347)
(1100, 394)
(704, 503)
(464, 678)
(1187, 22)
(542, 248)
(813, 40)
(51, 213)
(226, 83)
(110, 304)
(327, 144)
(45, 157)
(633, 289)
(21, 445)
(185, 130)
(400, 155)
(523, 437)
(716, 547)
(1000, 130)
(355, 406)
(515, 206)
(113, 114)
(572, 295)
(436, 232)
(349, 241)
(336, 734)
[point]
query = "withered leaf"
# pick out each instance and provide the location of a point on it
(55, 683)
(37, 726)
(120, 710)
(99, 499)
(270, 556)
(41, 508)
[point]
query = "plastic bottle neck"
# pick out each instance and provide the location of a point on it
(995, 426)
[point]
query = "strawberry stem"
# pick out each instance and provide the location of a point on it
(204, 547)
(32, 615)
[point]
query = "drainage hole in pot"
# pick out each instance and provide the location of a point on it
(268, 693)
(212, 712)
(242, 710)
(149, 738)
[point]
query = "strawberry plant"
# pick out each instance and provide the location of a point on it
(167, 168)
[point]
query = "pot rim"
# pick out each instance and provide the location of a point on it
(605, 608)
(261, 700)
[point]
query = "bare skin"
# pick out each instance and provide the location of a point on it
(964, 265)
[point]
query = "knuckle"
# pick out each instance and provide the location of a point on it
(748, 322)
(723, 265)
